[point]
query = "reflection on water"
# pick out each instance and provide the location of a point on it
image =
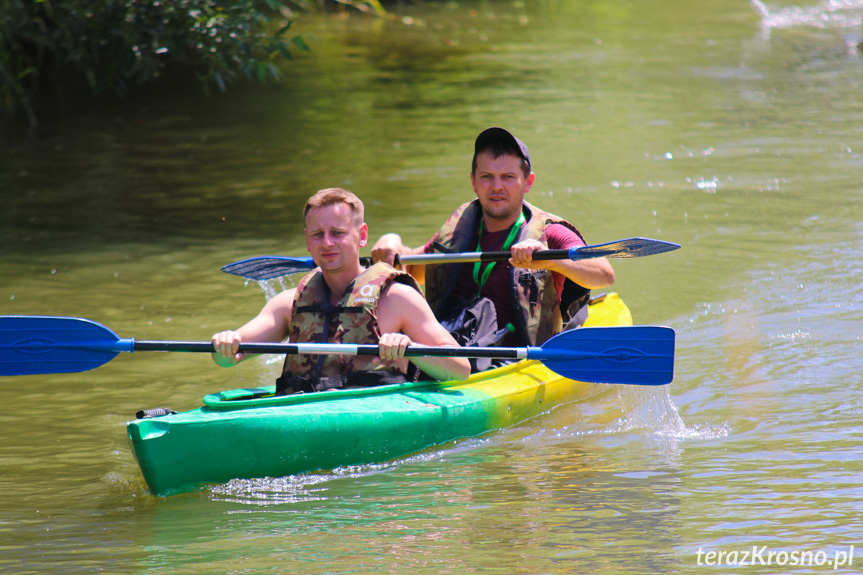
(730, 128)
(518, 495)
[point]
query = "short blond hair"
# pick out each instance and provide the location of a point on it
(332, 196)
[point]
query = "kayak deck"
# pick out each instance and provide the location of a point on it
(249, 433)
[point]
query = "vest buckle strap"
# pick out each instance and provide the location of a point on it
(289, 384)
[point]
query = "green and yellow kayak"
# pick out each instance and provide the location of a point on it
(249, 433)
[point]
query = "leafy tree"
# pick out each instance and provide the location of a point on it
(117, 44)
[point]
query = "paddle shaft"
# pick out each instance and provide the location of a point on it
(479, 257)
(327, 349)
(628, 248)
(641, 355)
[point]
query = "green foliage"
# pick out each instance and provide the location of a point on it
(116, 44)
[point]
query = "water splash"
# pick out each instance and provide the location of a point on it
(652, 409)
(273, 287)
(825, 14)
(307, 487)
(649, 410)
(270, 490)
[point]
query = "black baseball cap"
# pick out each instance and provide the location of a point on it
(495, 134)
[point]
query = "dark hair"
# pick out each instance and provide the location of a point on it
(331, 196)
(498, 148)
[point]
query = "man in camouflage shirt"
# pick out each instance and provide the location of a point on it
(340, 302)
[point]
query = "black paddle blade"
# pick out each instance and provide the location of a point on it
(264, 268)
(628, 248)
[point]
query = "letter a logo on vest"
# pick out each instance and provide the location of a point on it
(366, 293)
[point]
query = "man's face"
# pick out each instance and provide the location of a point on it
(333, 237)
(500, 185)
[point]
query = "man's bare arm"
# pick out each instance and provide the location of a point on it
(404, 310)
(591, 274)
(270, 325)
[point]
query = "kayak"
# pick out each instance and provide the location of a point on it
(250, 433)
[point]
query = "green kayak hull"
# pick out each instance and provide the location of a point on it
(248, 433)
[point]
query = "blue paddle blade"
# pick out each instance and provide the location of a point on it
(41, 344)
(264, 268)
(639, 355)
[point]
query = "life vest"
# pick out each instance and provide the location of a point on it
(353, 319)
(540, 313)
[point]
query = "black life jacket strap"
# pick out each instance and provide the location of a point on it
(289, 384)
(329, 309)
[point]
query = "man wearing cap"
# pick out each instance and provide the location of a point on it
(532, 299)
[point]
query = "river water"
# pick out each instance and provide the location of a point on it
(732, 128)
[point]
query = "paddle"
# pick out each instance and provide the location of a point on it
(640, 355)
(268, 267)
